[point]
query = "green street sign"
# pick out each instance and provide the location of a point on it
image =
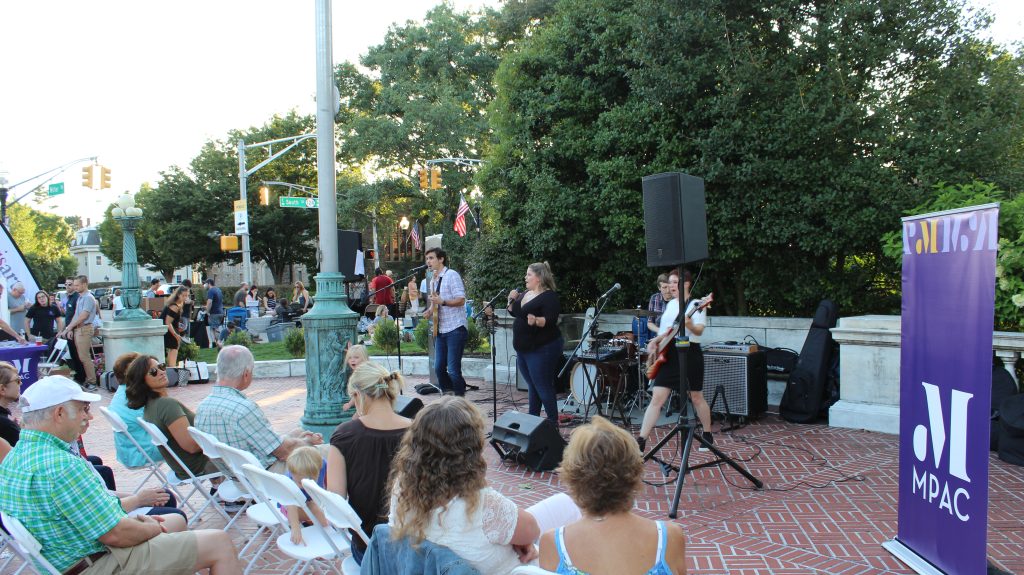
(292, 202)
(55, 189)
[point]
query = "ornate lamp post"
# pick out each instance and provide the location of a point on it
(129, 215)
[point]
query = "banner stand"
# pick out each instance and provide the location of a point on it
(905, 554)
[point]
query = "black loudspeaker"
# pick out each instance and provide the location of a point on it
(675, 221)
(408, 406)
(1011, 435)
(529, 439)
(743, 378)
(349, 242)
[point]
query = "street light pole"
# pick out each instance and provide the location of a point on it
(243, 177)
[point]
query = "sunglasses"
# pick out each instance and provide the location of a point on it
(159, 367)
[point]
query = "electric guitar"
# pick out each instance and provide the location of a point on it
(436, 313)
(660, 355)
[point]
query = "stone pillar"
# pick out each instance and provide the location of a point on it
(329, 328)
(869, 380)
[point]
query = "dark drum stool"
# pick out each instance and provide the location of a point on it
(1011, 435)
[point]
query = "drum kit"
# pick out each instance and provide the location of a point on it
(612, 376)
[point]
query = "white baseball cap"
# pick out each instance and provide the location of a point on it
(53, 390)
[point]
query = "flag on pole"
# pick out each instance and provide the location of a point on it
(415, 235)
(460, 216)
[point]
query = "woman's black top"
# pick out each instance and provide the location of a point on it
(44, 319)
(526, 337)
(10, 431)
(171, 342)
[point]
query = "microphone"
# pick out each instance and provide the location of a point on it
(611, 290)
(419, 268)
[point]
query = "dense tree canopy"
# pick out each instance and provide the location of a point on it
(45, 240)
(814, 125)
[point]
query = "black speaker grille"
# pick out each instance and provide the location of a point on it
(743, 379)
(675, 224)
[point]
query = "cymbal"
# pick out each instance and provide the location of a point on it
(638, 312)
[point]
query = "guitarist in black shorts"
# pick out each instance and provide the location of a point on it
(667, 378)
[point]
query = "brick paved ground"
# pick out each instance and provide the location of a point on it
(829, 504)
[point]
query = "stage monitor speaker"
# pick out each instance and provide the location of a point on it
(744, 381)
(349, 242)
(529, 439)
(408, 406)
(675, 222)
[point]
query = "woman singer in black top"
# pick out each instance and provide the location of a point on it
(536, 338)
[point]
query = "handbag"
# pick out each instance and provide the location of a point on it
(201, 315)
(198, 371)
(177, 377)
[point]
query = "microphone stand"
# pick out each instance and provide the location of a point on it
(492, 327)
(575, 354)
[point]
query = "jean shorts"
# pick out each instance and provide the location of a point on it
(215, 319)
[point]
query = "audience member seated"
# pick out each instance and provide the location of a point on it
(359, 464)
(380, 316)
(147, 389)
(127, 453)
(439, 492)
(81, 527)
(602, 469)
(10, 390)
(305, 463)
(236, 420)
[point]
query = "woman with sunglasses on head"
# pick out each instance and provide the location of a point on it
(146, 387)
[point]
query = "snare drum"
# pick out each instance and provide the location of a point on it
(626, 344)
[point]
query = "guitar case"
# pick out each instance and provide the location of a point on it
(1011, 430)
(813, 386)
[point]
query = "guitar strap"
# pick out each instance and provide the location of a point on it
(437, 290)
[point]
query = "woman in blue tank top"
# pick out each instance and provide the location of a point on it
(602, 469)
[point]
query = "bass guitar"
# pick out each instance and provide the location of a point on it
(660, 355)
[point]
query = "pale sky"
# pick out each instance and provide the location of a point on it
(142, 85)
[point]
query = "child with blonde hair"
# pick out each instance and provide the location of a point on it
(305, 463)
(355, 356)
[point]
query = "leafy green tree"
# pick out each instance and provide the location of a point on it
(814, 125)
(45, 240)
(422, 96)
(278, 236)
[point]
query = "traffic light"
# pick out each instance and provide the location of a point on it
(264, 196)
(435, 178)
(104, 178)
(423, 179)
(229, 243)
(87, 176)
(371, 255)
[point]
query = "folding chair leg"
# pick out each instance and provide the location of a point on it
(271, 536)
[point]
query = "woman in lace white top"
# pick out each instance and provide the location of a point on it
(439, 492)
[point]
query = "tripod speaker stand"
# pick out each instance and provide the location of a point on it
(687, 425)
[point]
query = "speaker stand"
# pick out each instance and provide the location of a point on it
(687, 424)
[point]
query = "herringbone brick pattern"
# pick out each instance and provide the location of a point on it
(828, 504)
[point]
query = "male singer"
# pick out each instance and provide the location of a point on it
(447, 298)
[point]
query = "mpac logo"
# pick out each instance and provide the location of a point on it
(952, 233)
(934, 481)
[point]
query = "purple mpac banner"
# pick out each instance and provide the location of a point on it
(949, 265)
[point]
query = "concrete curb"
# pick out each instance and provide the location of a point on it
(411, 365)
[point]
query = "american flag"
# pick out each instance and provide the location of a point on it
(415, 235)
(460, 217)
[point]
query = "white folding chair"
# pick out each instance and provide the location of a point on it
(27, 546)
(341, 516)
(228, 491)
(57, 354)
(119, 426)
(319, 542)
(262, 512)
(196, 482)
(531, 570)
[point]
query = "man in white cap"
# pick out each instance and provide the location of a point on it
(82, 527)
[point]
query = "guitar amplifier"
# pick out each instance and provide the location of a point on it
(743, 378)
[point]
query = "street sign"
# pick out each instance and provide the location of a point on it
(239, 206)
(55, 189)
(241, 223)
(292, 202)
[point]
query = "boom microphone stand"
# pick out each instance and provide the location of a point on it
(399, 322)
(491, 325)
(687, 424)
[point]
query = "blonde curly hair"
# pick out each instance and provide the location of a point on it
(440, 458)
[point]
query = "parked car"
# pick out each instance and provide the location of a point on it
(105, 297)
(167, 289)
